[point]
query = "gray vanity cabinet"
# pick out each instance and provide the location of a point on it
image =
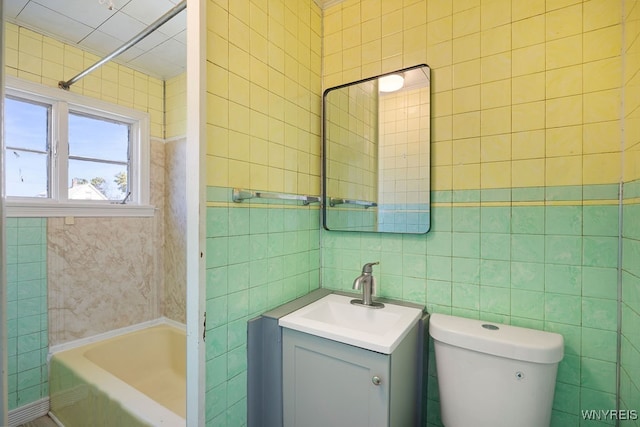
(328, 383)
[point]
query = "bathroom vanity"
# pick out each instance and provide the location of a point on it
(328, 383)
(320, 361)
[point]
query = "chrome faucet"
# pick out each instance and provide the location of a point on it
(367, 282)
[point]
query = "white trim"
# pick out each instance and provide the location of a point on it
(4, 389)
(28, 412)
(60, 155)
(195, 209)
(114, 333)
(142, 160)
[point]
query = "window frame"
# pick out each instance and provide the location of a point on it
(58, 204)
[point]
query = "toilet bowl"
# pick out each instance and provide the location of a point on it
(494, 375)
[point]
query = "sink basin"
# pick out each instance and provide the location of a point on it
(335, 318)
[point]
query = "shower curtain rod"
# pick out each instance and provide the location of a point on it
(144, 33)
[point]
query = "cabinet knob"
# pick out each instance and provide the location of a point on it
(376, 380)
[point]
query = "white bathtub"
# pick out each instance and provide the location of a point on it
(135, 379)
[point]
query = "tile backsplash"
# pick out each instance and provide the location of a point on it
(27, 324)
(630, 339)
(539, 263)
(260, 254)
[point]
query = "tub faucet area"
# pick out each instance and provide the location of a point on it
(367, 283)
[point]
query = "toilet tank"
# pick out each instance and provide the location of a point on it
(494, 375)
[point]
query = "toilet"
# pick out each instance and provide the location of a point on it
(494, 375)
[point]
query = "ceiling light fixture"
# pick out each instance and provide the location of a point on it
(390, 83)
(109, 3)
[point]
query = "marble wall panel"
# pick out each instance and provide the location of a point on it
(101, 275)
(174, 298)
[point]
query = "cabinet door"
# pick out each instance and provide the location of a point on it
(326, 383)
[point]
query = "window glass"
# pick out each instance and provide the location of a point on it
(98, 138)
(98, 158)
(27, 142)
(89, 180)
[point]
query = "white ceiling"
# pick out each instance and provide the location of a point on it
(90, 25)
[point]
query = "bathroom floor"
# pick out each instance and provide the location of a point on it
(40, 422)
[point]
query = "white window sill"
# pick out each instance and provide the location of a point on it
(21, 209)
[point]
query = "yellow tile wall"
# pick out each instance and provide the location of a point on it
(631, 46)
(524, 93)
(263, 95)
(176, 106)
(41, 59)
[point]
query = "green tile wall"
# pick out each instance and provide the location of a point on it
(26, 310)
(630, 357)
(259, 256)
(544, 266)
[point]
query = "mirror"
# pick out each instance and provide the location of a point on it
(376, 149)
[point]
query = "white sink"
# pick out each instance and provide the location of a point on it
(335, 318)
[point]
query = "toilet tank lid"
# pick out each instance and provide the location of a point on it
(507, 341)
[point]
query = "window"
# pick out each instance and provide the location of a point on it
(28, 150)
(98, 158)
(69, 155)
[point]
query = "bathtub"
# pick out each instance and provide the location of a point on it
(134, 379)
